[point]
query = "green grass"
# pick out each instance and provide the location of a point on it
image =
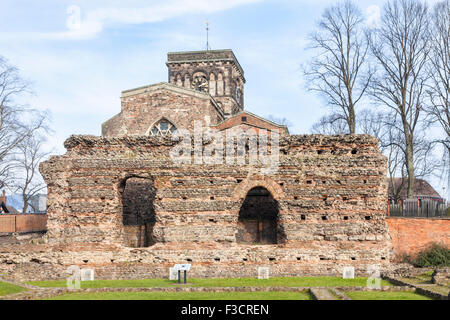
(7, 288)
(144, 283)
(425, 277)
(385, 295)
(184, 296)
(233, 282)
(423, 281)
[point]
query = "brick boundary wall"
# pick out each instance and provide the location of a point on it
(410, 235)
(23, 223)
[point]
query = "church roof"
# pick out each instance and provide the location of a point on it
(250, 119)
(165, 85)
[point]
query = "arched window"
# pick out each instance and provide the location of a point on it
(138, 211)
(258, 219)
(220, 85)
(163, 128)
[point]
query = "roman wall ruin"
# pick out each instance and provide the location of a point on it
(123, 207)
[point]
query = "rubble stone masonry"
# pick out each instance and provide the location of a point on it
(143, 107)
(328, 196)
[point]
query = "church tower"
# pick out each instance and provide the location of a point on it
(216, 72)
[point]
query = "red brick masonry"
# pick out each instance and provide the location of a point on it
(410, 235)
(23, 223)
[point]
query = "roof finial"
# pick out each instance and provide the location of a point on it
(207, 36)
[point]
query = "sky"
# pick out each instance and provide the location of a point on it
(80, 54)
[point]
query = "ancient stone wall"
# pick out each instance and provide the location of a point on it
(330, 192)
(143, 107)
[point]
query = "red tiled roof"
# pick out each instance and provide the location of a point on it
(245, 118)
(421, 188)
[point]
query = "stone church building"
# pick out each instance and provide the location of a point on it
(118, 203)
(201, 84)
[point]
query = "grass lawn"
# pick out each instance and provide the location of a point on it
(424, 280)
(184, 296)
(384, 295)
(7, 288)
(233, 282)
(426, 276)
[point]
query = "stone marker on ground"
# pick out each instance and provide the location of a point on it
(263, 272)
(173, 274)
(348, 273)
(87, 274)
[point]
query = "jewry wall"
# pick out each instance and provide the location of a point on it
(329, 192)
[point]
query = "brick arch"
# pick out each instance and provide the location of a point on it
(178, 79)
(187, 80)
(220, 84)
(200, 71)
(136, 194)
(258, 181)
(213, 72)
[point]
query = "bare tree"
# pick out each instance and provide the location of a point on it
(382, 125)
(439, 87)
(338, 71)
(332, 124)
(28, 181)
(17, 123)
(401, 48)
(439, 70)
(388, 129)
(391, 140)
(373, 123)
(280, 121)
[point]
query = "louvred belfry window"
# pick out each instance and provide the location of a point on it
(163, 128)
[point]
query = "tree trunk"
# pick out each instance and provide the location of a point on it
(352, 119)
(25, 204)
(410, 166)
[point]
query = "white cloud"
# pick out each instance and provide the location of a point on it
(96, 19)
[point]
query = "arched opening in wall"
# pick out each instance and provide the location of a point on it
(220, 85)
(138, 195)
(258, 218)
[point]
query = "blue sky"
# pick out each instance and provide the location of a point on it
(79, 73)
